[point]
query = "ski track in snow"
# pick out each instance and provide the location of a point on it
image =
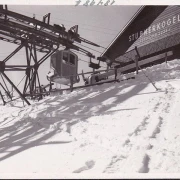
(148, 129)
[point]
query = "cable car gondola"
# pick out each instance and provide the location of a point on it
(63, 68)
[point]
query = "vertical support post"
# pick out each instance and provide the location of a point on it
(136, 61)
(12, 92)
(32, 72)
(166, 57)
(28, 72)
(143, 71)
(47, 16)
(36, 69)
(40, 88)
(6, 10)
(107, 71)
(115, 74)
(50, 86)
(71, 81)
(137, 57)
(25, 84)
(32, 80)
(92, 76)
(91, 82)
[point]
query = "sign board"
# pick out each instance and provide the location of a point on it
(161, 35)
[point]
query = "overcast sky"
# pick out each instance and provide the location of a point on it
(98, 24)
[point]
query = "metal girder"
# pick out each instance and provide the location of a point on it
(35, 36)
(28, 37)
(33, 26)
(27, 28)
(13, 53)
(35, 22)
(29, 31)
(17, 40)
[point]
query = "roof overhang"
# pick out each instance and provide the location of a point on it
(121, 43)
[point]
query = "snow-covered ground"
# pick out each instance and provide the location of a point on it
(112, 130)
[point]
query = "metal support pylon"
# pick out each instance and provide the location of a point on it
(35, 36)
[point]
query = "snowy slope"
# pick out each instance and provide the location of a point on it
(114, 129)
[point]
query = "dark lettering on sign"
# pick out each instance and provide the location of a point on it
(154, 35)
(156, 29)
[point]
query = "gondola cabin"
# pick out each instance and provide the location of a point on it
(63, 65)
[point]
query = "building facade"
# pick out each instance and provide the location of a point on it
(153, 34)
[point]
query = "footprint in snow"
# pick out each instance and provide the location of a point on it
(88, 165)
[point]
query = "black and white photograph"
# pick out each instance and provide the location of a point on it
(89, 89)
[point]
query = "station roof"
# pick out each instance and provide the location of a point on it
(121, 44)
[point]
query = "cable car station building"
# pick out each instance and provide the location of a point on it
(152, 35)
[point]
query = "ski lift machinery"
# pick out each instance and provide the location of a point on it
(64, 67)
(37, 36)
(64, 64)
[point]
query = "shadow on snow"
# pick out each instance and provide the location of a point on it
(30, 131)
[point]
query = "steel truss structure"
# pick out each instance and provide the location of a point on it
(34, 36)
